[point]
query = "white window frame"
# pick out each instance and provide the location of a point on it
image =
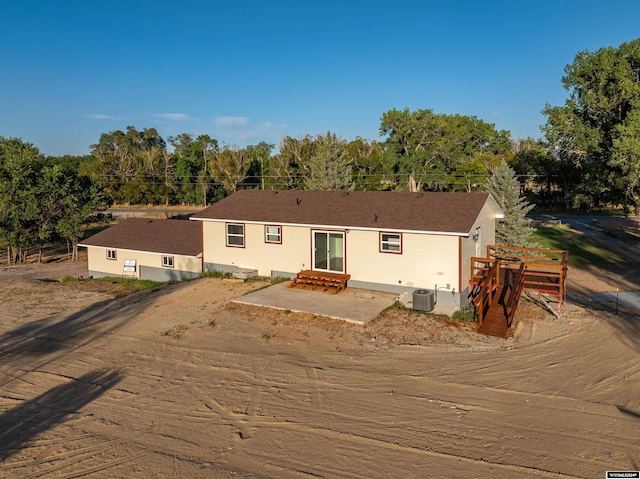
(167, 261)
(229, 235)
(267, 234)
(112, 254)
(387, 245)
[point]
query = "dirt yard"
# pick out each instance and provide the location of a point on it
(181, 383)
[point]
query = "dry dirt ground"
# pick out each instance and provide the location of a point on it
(181, 383)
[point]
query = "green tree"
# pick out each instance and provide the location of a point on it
(84, 201)
(514, 228)
(230, 167)
(187, 168)
(367, 163)
(259, 164)
(141, 157)
(441, 152)
(20, 166)
(51, 188)
(545, 176)
(329, 167)
(68, 162)
(596, 129)
(291, 164)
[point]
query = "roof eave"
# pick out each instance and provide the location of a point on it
(340, 227)
(188, 255)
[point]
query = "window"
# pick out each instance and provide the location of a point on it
(235, 235)
(111, 254)
(167, 261)
(391, 243)
(273, 234)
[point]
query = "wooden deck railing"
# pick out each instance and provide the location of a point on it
(516, 284)
(520, 269)
(516, 254)
(488, 277)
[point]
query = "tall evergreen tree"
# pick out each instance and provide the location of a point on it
(513, 229)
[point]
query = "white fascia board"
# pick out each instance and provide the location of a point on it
(333, 227)
(199, 255)
(498, 212)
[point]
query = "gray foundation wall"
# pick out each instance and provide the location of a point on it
(166, 274)
(443, 297)
(98, 274)
(153, 274)
(282, 274)
(223, 268)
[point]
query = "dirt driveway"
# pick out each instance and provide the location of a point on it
(182, 383)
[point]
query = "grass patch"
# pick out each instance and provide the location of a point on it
(396, 306)
(269, 281)
(582, 252)
(69, 278)
(126, 286)
(216, 274)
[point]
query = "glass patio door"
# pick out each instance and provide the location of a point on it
(328, 251)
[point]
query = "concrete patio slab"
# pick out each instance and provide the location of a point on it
(352, 305)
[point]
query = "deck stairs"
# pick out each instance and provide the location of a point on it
(495, 321)
(320, 280)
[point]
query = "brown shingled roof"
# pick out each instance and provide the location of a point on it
(157, 236)
(389, 210)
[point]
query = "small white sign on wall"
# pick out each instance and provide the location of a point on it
(129, 265)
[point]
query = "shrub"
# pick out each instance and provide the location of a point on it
(465, 314)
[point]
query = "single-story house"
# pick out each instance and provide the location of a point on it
(388, 241)
(144, 248)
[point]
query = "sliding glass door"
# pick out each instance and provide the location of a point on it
(328, 251)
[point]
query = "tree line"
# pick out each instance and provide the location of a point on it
(589, 158)
(42, 199)
(423, 150)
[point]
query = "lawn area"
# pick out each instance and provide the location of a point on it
(583, 252)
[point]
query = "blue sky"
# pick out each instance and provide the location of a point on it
(245, 72)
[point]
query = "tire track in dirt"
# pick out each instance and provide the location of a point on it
(315, 394)
(237, 421)
(293, 409)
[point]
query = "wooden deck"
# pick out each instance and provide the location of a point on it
(334, 282)
(498, 280)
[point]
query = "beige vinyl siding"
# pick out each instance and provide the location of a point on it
(487, 223)
(292, 255)
(98, 262)
(426, 260)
